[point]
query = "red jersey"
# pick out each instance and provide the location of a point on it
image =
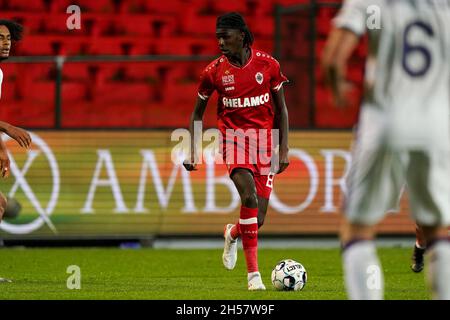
(245, 99)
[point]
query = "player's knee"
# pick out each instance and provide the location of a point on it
(249, 200)
(2, 206)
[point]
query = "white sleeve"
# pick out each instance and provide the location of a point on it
(353, 16)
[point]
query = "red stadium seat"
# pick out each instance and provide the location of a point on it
(262, 9)
(141, 24)
(26, 5)
(73, 91)
(33, 22)
(122, 92)
(41, 91)
(230, 5)
(166, 7)
(199, 25)
(98, 6)
(55, 24)
(10, 71)
(125, 114)
(188, 46)
(36, 45)
(183, 93)
(106, 46)
(290, 2)
(29, 72)
(153, 25)
(323, 27)
(30, 114)
(51, 45)
(75, 71)
(8, 92)
(145, 46)
(104, 72)
(265, 45)
(141, 71)
(261, 27)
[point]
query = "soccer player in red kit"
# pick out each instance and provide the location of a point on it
(251, 103)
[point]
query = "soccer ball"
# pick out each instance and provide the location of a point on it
(289, 275)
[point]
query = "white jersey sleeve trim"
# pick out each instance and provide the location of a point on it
(203, 97)
(278, 87)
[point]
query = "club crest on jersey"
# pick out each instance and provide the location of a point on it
(228, 79)
(259, 77)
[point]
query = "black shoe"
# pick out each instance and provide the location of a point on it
(417, 259)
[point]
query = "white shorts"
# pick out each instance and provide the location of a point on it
(378, 174)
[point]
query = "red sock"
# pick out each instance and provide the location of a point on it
(235, 232)
(248, 225)
(251, 256)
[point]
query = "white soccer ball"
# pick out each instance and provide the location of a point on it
(289, 275)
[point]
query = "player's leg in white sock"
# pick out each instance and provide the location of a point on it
(439, 269)
(362, 271)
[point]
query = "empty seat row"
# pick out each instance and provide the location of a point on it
(126, 45)
(181, 46)
(146, 6)
(146, 25)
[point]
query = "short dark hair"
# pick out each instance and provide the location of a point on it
(234, 20)
(14, 28)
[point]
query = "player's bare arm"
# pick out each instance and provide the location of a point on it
(4, 160)
(22, 137)
(281, 116)
(338, 49)
(197, 115)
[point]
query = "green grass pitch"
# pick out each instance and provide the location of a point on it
(186, 274)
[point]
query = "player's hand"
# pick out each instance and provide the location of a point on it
(4, 163)
(280, 161)
(22, 137)
(341, 94)
(284, 161)
(190, 165)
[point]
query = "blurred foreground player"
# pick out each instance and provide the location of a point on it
(403, 132)
(251, 101)
(9, 31)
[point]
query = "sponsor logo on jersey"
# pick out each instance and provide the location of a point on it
(246, 102)
(228, 79)
(259, 77)
(229, 88)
